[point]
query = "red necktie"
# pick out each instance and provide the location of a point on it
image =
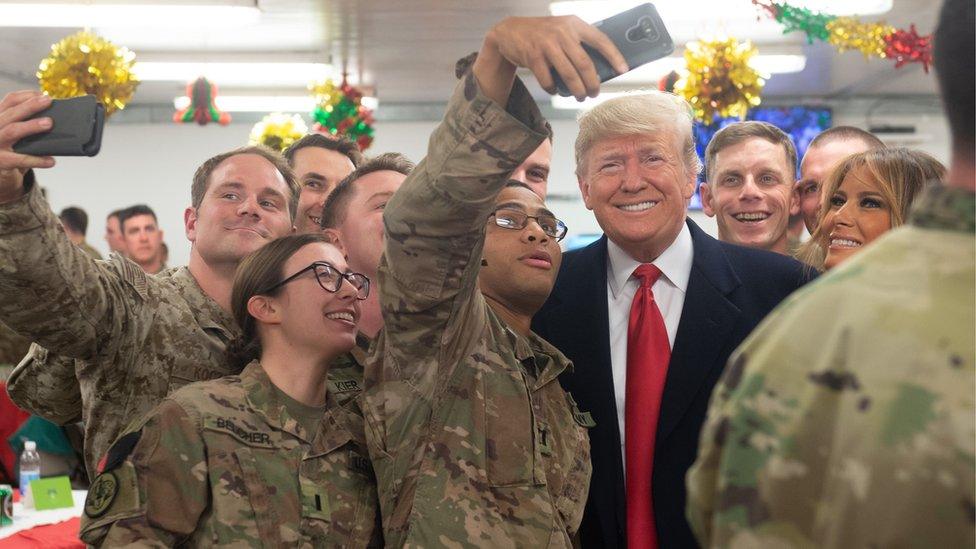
(648, 354)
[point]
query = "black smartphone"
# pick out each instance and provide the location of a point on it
(639, 34)
(77, 129)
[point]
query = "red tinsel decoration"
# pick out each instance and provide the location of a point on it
(908, 47)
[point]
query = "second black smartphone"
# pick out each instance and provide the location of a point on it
(639, 34)
(77, 129)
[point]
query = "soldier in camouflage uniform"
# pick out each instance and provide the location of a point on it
(12, 346)
(847, 418)
(264, 458)
(137, 337)
(472, 438)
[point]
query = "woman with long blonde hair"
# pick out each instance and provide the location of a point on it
(864, 196)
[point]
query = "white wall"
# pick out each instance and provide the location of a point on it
(154, 164)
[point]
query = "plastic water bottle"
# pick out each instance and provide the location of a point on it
(30, 467)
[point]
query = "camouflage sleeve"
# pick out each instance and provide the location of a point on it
(53, 292)
(45, 384)
(435, 224)
(154, 487)
(13, 346)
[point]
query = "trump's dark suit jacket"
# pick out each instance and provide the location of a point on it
(731, 289)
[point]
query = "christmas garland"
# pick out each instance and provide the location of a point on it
(903, 46)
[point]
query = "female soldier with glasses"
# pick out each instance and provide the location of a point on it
(266, 457)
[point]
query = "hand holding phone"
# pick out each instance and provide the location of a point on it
(541, 43)
(16, 109)
(638, 33)
(77, 129)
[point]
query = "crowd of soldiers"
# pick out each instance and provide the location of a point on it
(367, 352)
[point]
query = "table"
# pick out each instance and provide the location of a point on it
(29, 518)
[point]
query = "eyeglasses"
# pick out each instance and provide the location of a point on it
(516, 220)
(330, 279)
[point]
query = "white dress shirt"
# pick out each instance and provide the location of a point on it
(669, 294)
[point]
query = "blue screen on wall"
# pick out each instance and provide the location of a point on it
(801, 123)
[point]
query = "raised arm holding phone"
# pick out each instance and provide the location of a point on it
(472, 439)
(136, 337)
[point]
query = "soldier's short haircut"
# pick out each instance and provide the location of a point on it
(340, 145)
(260, 270)
(114, 213)
(132, 211)
(846, 133)
(652, 112)
(201, 178)
(954, 62)
(75, 219)
(738, 132)
(334, 210)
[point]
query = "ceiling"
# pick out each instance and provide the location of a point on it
(404, 50)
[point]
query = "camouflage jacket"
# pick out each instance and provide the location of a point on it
(45, 383)
(13, 346)
(120, 340)
(88, 249)
(223, 463)
(847, 418)
(472, 438)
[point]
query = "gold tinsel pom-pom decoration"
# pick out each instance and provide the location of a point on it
(278, 131)
(85, 63)
(848, 33)
(720, 81)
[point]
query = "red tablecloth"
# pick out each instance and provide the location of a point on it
(11, 418)
(63, 535)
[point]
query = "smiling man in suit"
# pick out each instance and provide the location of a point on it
(649, 315)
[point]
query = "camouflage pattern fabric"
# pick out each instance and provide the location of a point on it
(346, 373)
(13, 346)
(135, 337)
(120, 340)
(88, 249)
(847, 418)
(222, 463)
(472, 438)
(45, 383)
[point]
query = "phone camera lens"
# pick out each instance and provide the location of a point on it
(644, 30)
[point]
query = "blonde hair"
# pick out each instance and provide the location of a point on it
(901, 175)
(654, 111)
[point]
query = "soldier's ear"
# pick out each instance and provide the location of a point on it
(264, 309)
(333, 236)
(189, 223)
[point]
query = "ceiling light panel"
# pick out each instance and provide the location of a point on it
(129, 15)
(234, 74)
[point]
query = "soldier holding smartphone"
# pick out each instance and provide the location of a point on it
(473, 440)
(136, 337)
